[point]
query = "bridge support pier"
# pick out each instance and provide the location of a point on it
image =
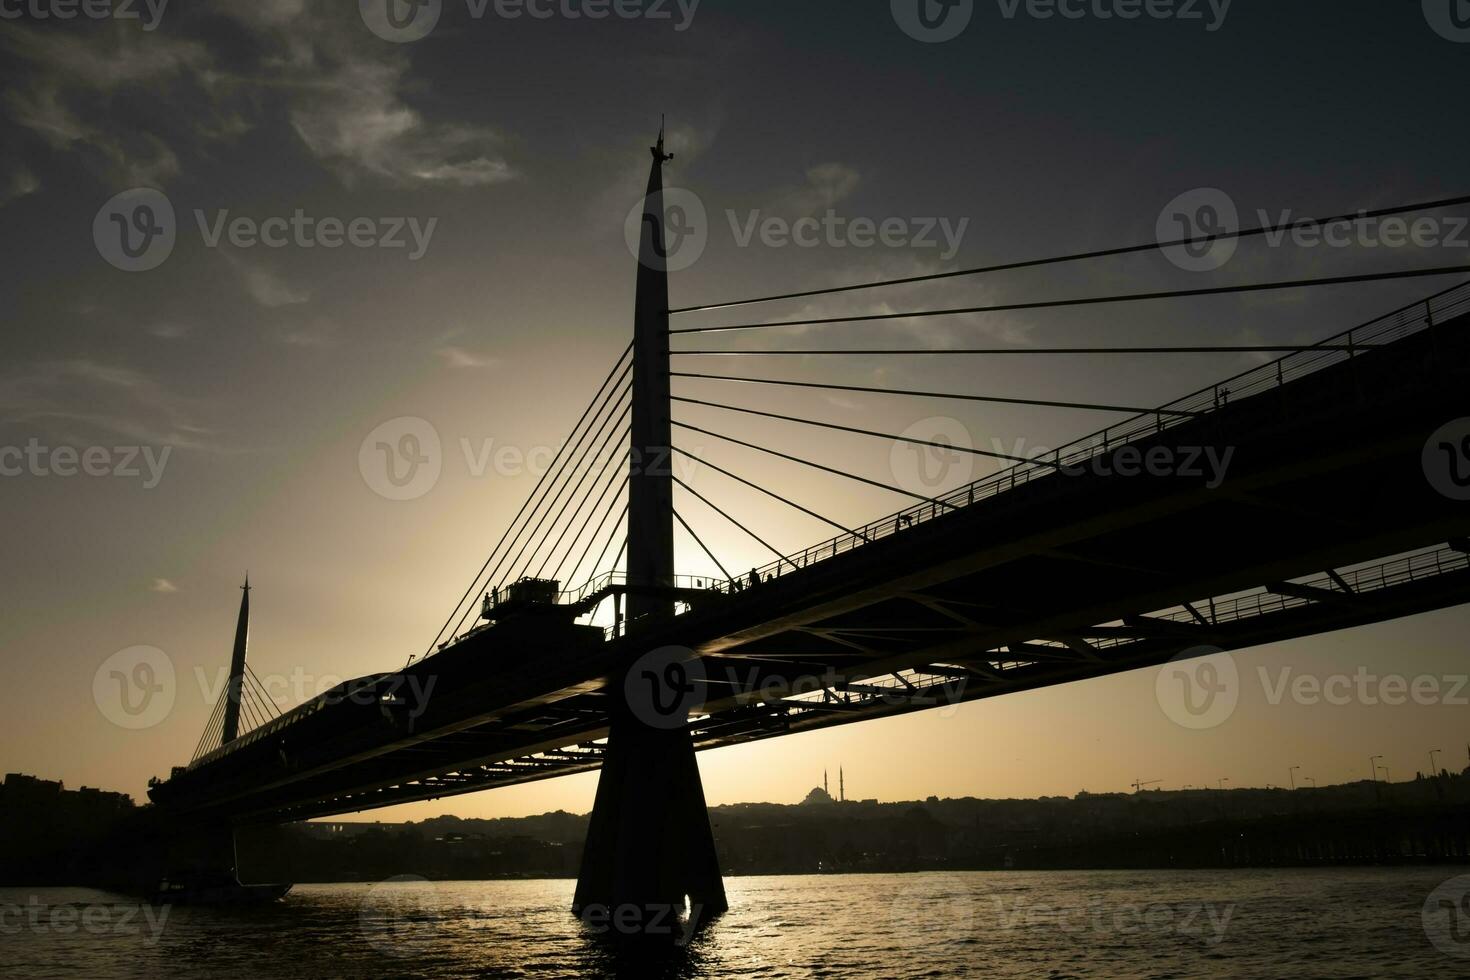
(649, 843)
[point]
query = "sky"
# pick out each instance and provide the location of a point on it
(228, 379)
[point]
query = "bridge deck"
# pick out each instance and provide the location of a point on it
(1325, 520)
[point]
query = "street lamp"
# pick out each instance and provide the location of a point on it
(1291, 775)
(1373, 765)
(1223, 781)
(1433, 772)
(1311, 780)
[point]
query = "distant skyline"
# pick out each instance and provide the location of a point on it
(232, 389)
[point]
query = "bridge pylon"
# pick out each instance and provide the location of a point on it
(649, 844)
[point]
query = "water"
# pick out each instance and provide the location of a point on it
(1255, 924)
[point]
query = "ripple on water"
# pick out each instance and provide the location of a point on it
(1006, 925)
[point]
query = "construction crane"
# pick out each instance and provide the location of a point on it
(1139, 784)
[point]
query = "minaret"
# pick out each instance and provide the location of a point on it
(841, 786)
(231, 728)
(824, 785)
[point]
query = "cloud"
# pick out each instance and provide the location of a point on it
(319, 333)
(95, 93)
(168, 331)
(164, 586)
(265, 286)
(355, 122)
(827, 184)
(82, 400)
(458, 357)
(75, 94)
(20, 183)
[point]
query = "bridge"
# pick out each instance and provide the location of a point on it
(1071, 565)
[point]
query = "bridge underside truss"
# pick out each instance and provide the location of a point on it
(1325, 521)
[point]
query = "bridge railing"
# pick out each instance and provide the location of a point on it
(1396, 325)
(1366, 579)
(1420, 315)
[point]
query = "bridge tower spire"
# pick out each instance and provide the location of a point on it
(649, 844)
(650, 483)
(233, 692)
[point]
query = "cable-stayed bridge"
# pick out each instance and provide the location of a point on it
(1078, 563)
